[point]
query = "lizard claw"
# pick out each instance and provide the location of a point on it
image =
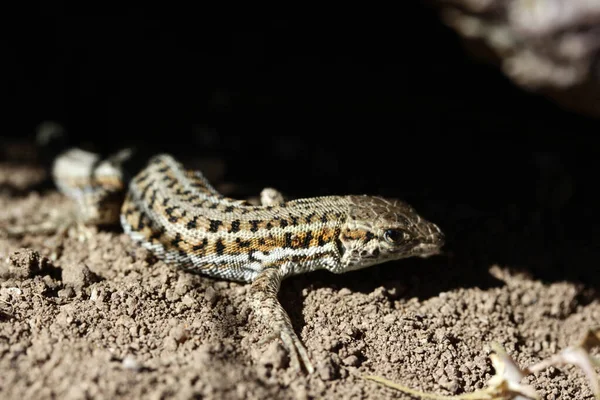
(297, 352)
(294, 347)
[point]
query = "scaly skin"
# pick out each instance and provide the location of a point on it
(183, 220)
(178, 216)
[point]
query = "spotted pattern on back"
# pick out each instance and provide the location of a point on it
(182, 219)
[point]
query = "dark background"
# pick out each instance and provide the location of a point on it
(387, 103)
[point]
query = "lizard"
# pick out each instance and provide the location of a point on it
(182, 219)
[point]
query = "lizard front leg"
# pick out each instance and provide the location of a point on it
(263, 297)
(271, 197)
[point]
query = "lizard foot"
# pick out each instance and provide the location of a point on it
(271, 197)
(267, 307)
(296, 350)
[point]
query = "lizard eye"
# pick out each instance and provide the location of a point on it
(395, 236)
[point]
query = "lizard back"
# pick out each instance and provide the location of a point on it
(182, 219)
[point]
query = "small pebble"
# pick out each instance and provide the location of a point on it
(211, 296)
(129, 362)
(180, 333)
(78, 276)
(351, 361)
(274, 356)
(327, 370)
(66, 293)
(25, 263)
(170, 343)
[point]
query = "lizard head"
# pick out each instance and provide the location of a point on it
(379, 230)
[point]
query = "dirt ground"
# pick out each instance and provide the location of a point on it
(89, 315)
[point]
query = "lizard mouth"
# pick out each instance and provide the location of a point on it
(427, 250)
(432, 247)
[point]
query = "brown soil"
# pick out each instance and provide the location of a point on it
(89, 315)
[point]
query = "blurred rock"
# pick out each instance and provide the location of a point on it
(545, 46)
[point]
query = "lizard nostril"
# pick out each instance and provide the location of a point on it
(440, 238)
